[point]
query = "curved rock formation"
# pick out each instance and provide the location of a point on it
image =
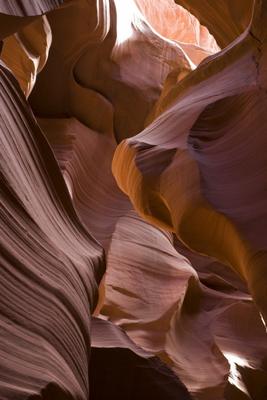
(15, 14)
(142, 89)
(79, 151)
(176, 23)
(226, 20)
(187, 170)
(50, 265)
(26, 52)
(171, 165)
(118, 363)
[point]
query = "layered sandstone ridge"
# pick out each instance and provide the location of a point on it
(133, 247)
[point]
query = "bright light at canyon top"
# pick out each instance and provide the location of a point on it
(128, 15)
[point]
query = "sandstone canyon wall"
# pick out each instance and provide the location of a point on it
(133, 200)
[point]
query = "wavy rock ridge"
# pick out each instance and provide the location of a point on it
(133, 192)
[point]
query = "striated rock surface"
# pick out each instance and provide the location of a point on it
(189, 170)
(226, 19)
(22, 8)
(182, 27)
(50, 265)
(133, 192)
(197, 124)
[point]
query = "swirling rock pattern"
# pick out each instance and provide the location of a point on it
(198, 211)
(50, 265)
(133, 249)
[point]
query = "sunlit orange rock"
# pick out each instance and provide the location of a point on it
(176, 23)
(26, 52)
(226, 19)
(133, 250)
(172, 164)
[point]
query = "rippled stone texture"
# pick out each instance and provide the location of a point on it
(196, 189)
(50, 265)
(143, 156)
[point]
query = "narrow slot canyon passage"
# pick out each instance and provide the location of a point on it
(133, 200)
